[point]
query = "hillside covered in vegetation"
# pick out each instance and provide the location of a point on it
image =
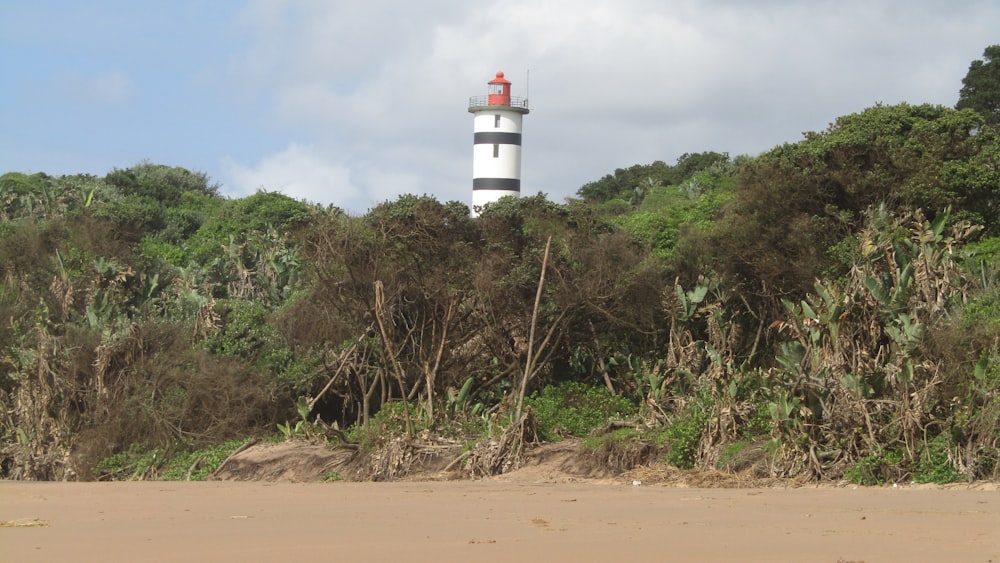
(827, 309)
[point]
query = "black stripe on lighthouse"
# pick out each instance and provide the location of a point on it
(506, 184)
(491, 138)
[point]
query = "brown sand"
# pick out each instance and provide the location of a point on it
(492, 520)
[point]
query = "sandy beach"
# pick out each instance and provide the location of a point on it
(493, 521)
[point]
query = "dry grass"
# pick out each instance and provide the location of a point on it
(504, 453)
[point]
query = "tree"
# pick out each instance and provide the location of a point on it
(981, 86)
(632, 184)
(797, 208)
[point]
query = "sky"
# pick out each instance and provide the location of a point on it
(353, 103)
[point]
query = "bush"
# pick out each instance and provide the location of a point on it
(875, 469)
(934, 463)
(575, 409)
(141, 461)
(682, 436)
(138, 462)
(388, 423)
(759, 423)
(199, 464)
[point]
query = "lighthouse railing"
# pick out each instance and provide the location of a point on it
(484, 101)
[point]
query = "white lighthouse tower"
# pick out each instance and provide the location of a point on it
(496, 150)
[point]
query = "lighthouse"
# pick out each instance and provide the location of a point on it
(496, 144)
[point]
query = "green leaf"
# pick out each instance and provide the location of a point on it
(905, 277)
(835, 312)
(789, 306)
(697, 295)
(303, 407)
(791, 356)
(856, 385)
(981, 366)
(906, 374)
(824, 294)
(874, 286)
(808, 311)
(684, 302)
(937, 227)
(463, 394)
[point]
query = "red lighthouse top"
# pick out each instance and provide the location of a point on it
(499, 90)
(498, 95)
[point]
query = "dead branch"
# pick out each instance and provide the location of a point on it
(529, 361)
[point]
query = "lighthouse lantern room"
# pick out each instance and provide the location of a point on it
(496, 150)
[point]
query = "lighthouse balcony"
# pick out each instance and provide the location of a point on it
(481, 103)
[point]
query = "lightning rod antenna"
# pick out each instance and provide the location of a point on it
(527, 87)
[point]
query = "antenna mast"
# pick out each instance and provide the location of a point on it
(527, 87)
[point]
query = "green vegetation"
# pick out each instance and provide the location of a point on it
(140, 461)
(331, 476)
(933, 465)
(981, 86)
(575, 409)
(682, 436)
(828, 309)
(875, 469)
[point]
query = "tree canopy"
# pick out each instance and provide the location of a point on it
(981, 86)
(796, 203)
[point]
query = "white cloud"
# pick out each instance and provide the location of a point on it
(368, 99)
(318, 174)
(300, 172)
(380, 90)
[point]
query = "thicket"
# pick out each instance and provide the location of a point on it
(827, 309)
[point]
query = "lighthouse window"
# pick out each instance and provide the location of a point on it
(496, 120)
(496, 150)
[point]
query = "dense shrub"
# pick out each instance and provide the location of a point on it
(575, 409)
